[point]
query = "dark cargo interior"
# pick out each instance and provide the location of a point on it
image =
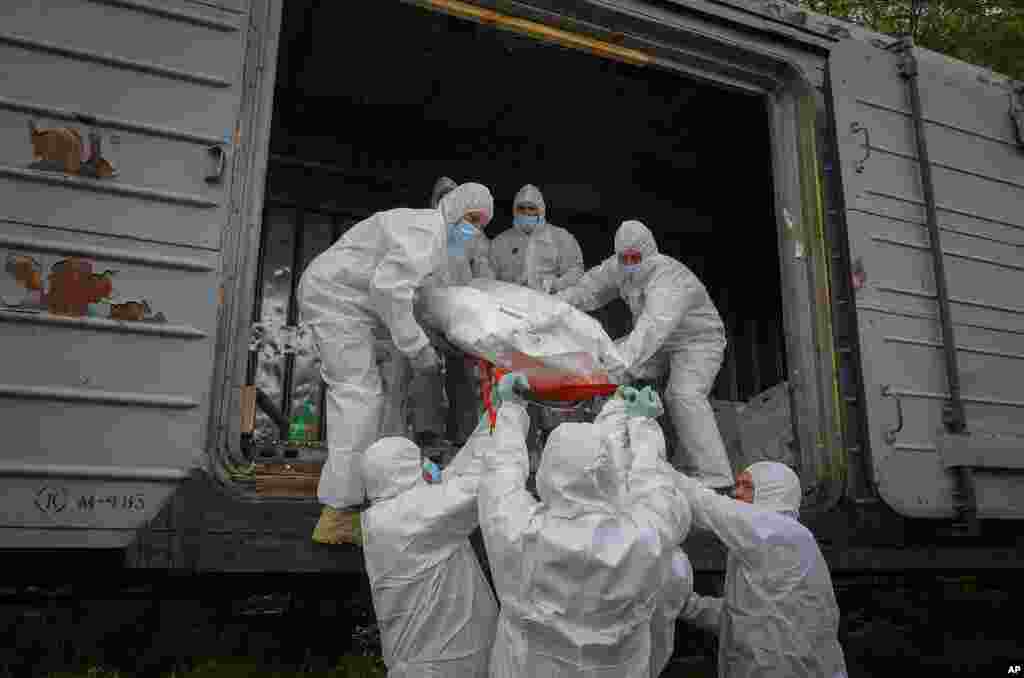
(372, 106)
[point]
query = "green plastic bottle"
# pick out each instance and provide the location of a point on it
(297, 429)
(310, 421)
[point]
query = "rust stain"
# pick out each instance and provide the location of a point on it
(61, 149)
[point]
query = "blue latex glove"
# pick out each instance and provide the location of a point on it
(511, 388)
(431, 472)
(643, 403)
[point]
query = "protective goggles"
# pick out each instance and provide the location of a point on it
(631, 257)
(478, 219)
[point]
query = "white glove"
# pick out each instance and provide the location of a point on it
(426, 360)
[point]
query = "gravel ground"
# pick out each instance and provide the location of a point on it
(933, 626)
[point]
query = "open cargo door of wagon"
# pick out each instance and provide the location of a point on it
(923, 347)
(119, 151)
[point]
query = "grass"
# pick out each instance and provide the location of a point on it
(348, 667)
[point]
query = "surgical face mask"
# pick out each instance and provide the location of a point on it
(527, 222)
(431, 472)
(631, 268)
(458, 235)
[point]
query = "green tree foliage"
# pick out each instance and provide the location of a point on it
(987, 33)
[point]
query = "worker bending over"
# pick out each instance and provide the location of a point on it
(434, 607)
(675, 320)
(364, 282)
(779, 615)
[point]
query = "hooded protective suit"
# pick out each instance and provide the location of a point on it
(578, 575)
(364, 283)
(674, 320)
(434, 607)
(542, 257)
(779, 615)
(677, 588)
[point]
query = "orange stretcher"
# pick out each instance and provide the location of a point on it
(546, 385)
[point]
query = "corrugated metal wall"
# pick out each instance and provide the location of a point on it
(978, 172)
(156, 84)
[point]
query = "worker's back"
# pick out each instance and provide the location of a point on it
(353, 258)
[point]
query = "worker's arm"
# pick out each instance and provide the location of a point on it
(570, 262)
(506, 507)
(448, 510)
(749, 532)
(655, 498)
(668, 296)
(412, 252)
(611, 422)
(598, 287)
(468, 463)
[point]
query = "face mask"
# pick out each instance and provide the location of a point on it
(527, 223)
(458, 235)
(431, 472)
(631, 268)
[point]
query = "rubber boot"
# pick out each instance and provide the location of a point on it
(338, 526)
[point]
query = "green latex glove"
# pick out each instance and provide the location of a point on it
(511, 388)
(643, 403)
(627, 393)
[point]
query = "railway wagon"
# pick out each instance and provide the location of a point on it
(853, 203)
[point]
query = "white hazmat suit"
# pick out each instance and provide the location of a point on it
(779, 615)
(578, 575)
(612, 423)
(434, 607)
(674, 320)
(675, 594)
(368, 281)
(542, 257)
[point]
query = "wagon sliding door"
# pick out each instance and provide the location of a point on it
(932, 351)
(104, 412)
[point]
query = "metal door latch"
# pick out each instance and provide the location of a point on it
(220, 155)
(890, 435)
(857, 128)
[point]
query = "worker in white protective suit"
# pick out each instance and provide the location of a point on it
(368, 280)
(434, 607)
(675, 594)
(535, 253)
(578, 574)
(674, 323)
(779, 615)
(613, 424)
(464, 402)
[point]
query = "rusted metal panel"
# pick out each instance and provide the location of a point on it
(114, 207)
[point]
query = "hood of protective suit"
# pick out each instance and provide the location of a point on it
(444, 186)
(466, 198)
(531, 195)
(391, 466)
(633, 235)
(577, 475)
(776, 487)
